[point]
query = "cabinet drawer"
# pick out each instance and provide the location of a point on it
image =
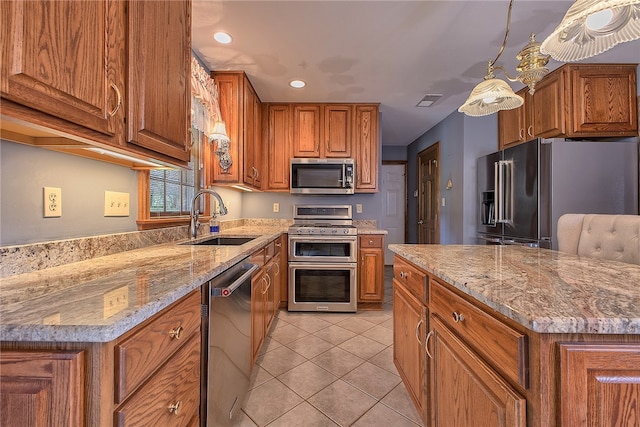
(411, 277)
(142, 353)
(503, 347)
(371, 241)
(175, 385)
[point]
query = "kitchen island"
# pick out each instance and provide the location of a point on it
(521, 336)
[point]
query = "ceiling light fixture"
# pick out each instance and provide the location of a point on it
(297, 84)
(591, 27)
(493, 95)
(222, 37)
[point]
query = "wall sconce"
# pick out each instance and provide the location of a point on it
(493, 95)
(591, 27)
(219, 135)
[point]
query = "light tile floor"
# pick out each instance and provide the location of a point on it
(329, 369)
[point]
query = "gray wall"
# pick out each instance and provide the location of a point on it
(25, 170)
(462, 139)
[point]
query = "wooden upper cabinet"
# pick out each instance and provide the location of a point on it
(241, 111)
(159, 76)
(574, 101)
(512, 124)
(278, 146)
(604, 100)
(63, 58)
(307, 138)
(366, 145)
(337, 127)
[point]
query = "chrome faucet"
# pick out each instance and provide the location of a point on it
(194, 224)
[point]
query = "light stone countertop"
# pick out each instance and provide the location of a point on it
(67, 303)
(545, 291)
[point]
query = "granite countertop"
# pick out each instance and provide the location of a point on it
(545, 291)
(69, 302)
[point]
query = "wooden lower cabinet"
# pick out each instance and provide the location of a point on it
(42, 388)
(600, 384)
(466, 391)
(483, 369)
(138, 379)
(370, 271)
(409, 330)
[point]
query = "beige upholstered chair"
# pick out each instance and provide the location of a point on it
(614, 237)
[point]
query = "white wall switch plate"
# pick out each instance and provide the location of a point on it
(276, 207)
(116, 204)
(358, 207)
(52, 200)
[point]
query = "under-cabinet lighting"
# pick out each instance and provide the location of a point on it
(122, 156)
(242, 187)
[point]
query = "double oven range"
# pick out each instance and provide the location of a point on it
(323, 245)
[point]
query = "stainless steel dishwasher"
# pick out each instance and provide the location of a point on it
(229, 353)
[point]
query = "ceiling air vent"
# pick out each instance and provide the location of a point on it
(429, 99)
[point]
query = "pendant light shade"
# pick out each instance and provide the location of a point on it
(591, 27)
(490, 96)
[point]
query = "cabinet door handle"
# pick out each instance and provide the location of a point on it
(418, 331)
(530, 130)
(426, 344)
(175, 332)
(521, 133)
(118, 100)
(457, 317)
(173, 407)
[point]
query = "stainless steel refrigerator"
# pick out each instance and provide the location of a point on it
(523, 190)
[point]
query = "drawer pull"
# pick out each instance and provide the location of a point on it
(404, 275)
(426, 344)
(370, 242)
(173, 408)
(175, 333)
(457, 317)
(418, 331)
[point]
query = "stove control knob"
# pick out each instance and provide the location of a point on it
(334, 231)
(346, 231)
(322, 230)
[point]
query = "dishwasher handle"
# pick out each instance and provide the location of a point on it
(225, 291)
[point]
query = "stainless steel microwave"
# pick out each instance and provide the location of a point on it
(322, 176)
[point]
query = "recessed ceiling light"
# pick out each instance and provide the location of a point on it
(223, 38)
(297, 84)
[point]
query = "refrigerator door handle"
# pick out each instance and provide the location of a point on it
(498, 189)
(508, 196)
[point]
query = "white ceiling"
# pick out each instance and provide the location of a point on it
(391, 52)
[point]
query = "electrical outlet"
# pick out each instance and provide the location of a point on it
(444, 203)
(116, 204)
(276, 207)
(358, 207)
(52, 201)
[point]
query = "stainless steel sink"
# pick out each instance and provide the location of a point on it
(220, 241)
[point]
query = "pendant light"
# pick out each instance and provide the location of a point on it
(591, 27)
(493, 95)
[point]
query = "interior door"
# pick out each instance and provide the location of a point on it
(429, 195)
(394, 194)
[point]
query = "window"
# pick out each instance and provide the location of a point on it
(165, 195)
(171, 192)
